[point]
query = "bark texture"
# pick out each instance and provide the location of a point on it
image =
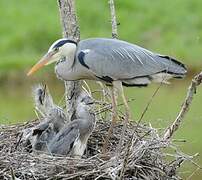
(71, 31)
(196, 81)
(113, 19)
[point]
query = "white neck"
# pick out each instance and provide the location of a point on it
(68, 50)
(65, 69)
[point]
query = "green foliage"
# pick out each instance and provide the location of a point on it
(28, 27)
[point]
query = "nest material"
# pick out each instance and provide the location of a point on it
(144, 159)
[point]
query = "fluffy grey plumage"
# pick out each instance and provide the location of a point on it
(47, 129)
(53, 120)
(73, 137)
(53, 135)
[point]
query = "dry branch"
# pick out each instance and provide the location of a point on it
(113, 19)
(71, 31)
(196, 81)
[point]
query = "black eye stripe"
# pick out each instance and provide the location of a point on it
(62, 42)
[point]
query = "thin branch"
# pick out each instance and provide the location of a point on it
(149, 103)
(193, 173)
(113, 19)
(196, 81)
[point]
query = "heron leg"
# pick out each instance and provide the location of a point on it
(114, 118)
(114, 105)
(119, 87)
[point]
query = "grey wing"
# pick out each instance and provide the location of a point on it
(121, 60)
(63, 142)
(40, 128)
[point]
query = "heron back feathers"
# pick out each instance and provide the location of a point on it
(120, 60)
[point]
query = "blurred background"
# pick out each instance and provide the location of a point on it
(28, 28)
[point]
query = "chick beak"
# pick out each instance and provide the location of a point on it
(42, 62)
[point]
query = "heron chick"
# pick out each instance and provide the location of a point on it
(53, 119)
(73, 137)
(111, 61)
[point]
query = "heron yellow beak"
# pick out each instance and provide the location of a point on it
(45, 60)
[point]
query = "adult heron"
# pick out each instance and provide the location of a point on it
(112, 61)
(72, 138)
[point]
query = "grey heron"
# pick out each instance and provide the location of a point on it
(111, 61)
(26, 139)
(52, 113)
(72, 138)
(38, 137)
(41, 136)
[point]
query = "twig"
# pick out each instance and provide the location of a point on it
(196, 81)
(194, 172)
(149, 103)
(113, 19)
(12, 173)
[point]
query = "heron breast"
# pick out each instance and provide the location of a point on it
(79, 148)
(77, 72)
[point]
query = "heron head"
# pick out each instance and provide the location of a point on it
(60, 48)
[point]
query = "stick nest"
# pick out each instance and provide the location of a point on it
(139, 157)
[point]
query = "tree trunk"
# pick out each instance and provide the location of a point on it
(71, 31)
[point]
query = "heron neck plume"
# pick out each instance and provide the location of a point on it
(68, 50)
(63, 68)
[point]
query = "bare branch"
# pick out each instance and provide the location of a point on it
(68, 19)
(196, 81)
(113, 19)
(71, 30)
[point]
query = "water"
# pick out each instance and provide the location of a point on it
(16, 106)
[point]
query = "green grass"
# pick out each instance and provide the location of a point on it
(28, 27)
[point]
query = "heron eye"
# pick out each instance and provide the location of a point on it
(57, 49)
